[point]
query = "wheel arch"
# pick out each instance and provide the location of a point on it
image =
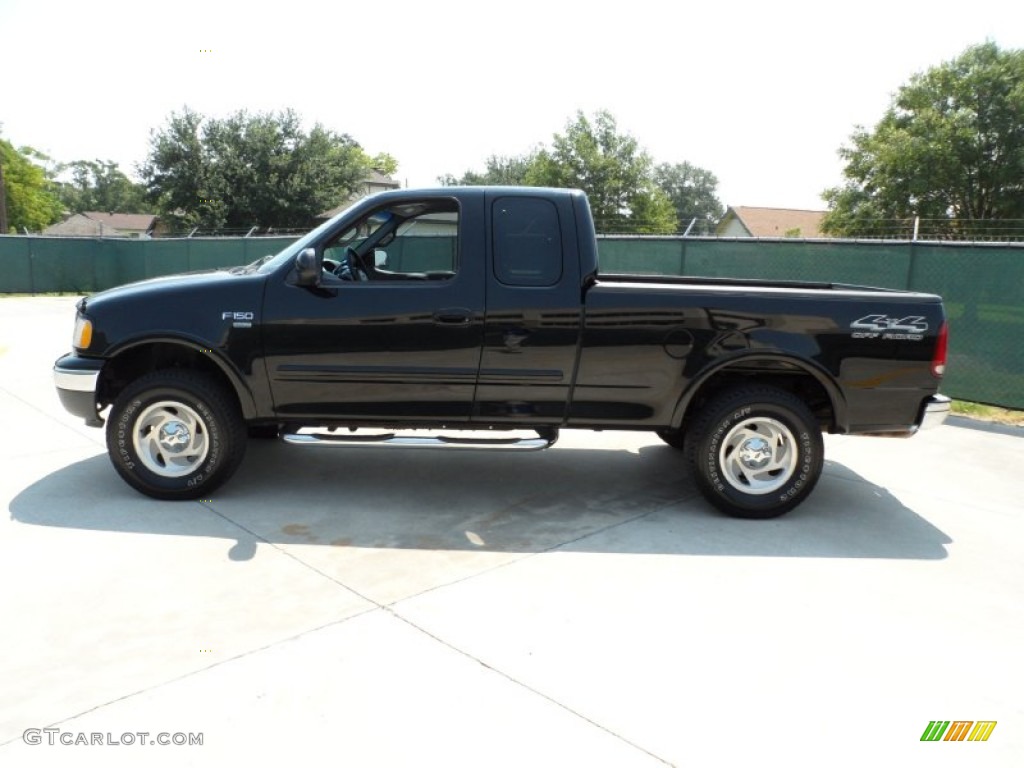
(804, 379)
(134, 359)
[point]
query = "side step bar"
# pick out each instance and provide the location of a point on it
(544, 439)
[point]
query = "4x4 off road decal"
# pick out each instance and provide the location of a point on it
(910, 328)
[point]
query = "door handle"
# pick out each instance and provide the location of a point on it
(453, 316)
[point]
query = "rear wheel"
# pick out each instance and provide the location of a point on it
(756, 452)
(175, 434)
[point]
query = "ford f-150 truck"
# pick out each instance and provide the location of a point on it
(482, 310)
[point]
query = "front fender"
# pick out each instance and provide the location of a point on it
(227, 367)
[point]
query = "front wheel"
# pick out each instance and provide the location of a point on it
(756, 452)
(175, 434)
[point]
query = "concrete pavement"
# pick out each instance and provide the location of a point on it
(579, 606)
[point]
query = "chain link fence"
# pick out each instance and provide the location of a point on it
(913, 229)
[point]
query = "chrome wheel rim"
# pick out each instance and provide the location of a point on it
(170, 439)
(758, 455)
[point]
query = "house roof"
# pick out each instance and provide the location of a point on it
(372, 183)
(97, 224)
(775, 222)
(127, 222)
(378, 178)
(81, 225)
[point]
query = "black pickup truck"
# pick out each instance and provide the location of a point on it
(482, 311)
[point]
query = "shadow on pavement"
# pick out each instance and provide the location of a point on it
(483, 501)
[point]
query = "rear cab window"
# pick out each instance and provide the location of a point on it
(527, 241)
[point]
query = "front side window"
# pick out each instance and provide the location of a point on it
(527, 241)
(405, 241)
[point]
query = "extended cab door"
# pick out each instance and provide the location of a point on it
(534, 312)
(402, 342)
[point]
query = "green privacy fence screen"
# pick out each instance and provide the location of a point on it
(982, 284)
(72, 264)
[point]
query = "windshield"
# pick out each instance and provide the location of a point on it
(289, 252)
(363, 229)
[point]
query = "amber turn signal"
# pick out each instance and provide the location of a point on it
(83, 333)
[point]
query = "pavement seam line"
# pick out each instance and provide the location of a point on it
(288, 554)
(528, 555)
(388, 608)
(524, 686)
(48, 415)
(379, 604)
(156, 686)
(375, 606)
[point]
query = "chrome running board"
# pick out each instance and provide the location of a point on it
(538, 443)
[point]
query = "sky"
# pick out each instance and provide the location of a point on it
(762, 94)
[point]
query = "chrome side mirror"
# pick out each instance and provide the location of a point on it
(308, 266)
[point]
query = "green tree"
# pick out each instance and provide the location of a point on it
(98, 185)
(31, 201)
(499, 170)
(693, 192)
(614, 171)
(950, 147)
(251, 170)
(384, 163)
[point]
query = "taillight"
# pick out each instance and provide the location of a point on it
(939, 357)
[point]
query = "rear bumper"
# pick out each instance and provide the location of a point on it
(934, 411)
(76, 379)
(931, 412)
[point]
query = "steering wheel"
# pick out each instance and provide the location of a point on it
(349, 268)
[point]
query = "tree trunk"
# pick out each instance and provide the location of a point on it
(3, 204)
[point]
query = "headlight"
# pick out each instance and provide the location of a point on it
(83, 333)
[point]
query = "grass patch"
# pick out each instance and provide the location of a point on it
(988, 413)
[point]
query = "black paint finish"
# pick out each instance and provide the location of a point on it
(469, 349)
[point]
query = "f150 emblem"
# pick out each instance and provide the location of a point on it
(911, 327)
(238, 319)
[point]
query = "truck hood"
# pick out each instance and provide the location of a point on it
(197, 306)
(184, 283)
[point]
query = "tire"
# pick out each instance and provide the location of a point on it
(175, 434)
(756, 452)
(673, 437)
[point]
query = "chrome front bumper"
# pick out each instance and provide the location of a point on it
(76, 380)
